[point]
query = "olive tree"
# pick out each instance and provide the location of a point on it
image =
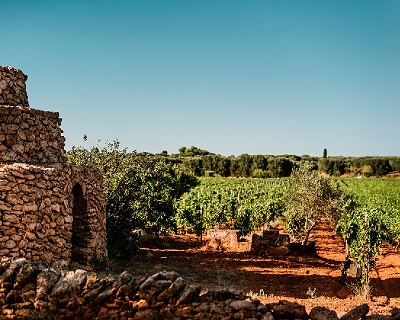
(309, 197)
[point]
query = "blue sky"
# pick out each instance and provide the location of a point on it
(231, 77)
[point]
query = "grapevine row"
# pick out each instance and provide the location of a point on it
(244, 204)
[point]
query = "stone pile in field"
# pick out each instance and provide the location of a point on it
(34, 291)
(270, 242)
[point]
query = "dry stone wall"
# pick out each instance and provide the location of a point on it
(50, 211)
(30, 136)
(34, 291)
(12, 87)
(37, 213)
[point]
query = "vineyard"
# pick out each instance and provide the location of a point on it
(366, 213)
(245, 204)
(381, 196)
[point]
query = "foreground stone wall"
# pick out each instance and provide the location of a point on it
(40, 218)
(30, 136)
(33, 291)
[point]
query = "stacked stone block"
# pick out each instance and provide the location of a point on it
(12, 87)
(49, 210)
(30, 136)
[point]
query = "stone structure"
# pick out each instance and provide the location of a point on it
(222, 239)
(270, 242)
(33, 291)
(49, 210)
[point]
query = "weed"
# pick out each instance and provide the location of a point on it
(359, 289)
(312, 296)
(73, 265)
(260, 294)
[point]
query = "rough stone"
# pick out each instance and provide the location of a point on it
(242, 304)
(189, 295)
(357, 313)
(321, 313)
(49, 207)
(35, 292)
(285, 310)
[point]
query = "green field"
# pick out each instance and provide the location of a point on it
(249, 203)
(243, 203)
(381, 196)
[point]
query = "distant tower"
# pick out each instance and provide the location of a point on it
(325, 155)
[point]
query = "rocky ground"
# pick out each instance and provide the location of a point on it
(177, 277)
(311, 280)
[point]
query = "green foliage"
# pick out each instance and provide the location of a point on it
(246, 203)
(380, 166)
(199, 161)
(309, 197)
(362, 231)
(140, 190)
(332, 166)
(371, 216)
(383, 197)
(377, 166)
(192, 151)
(280, 167)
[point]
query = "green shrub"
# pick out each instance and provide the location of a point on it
(140, 190)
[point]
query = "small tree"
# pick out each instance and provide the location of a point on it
(367, 170)
(309, 197)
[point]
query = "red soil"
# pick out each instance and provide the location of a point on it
(310, 280)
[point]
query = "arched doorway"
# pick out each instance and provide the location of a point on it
(80, 227)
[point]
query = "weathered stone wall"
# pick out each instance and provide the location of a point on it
(30, 136)
(222, 239)
(12, 87)
(49, 210)
(33, 291)
(39, 215)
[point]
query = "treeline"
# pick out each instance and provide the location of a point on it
(204, 163)
(365, 166)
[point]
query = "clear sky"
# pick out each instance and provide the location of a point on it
(231, 77)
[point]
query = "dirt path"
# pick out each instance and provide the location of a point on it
(308, 279)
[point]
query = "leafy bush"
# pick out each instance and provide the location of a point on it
(140, 190)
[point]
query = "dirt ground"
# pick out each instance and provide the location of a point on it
(310, 280)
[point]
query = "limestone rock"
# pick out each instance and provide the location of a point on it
(242, 304)
(357, 313)
(70, 284)
(31, 291)
(189, 295)
(145, 315)
(321, 313)
(285, 310)
(174, 288)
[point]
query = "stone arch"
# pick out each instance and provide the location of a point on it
(80, 239)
